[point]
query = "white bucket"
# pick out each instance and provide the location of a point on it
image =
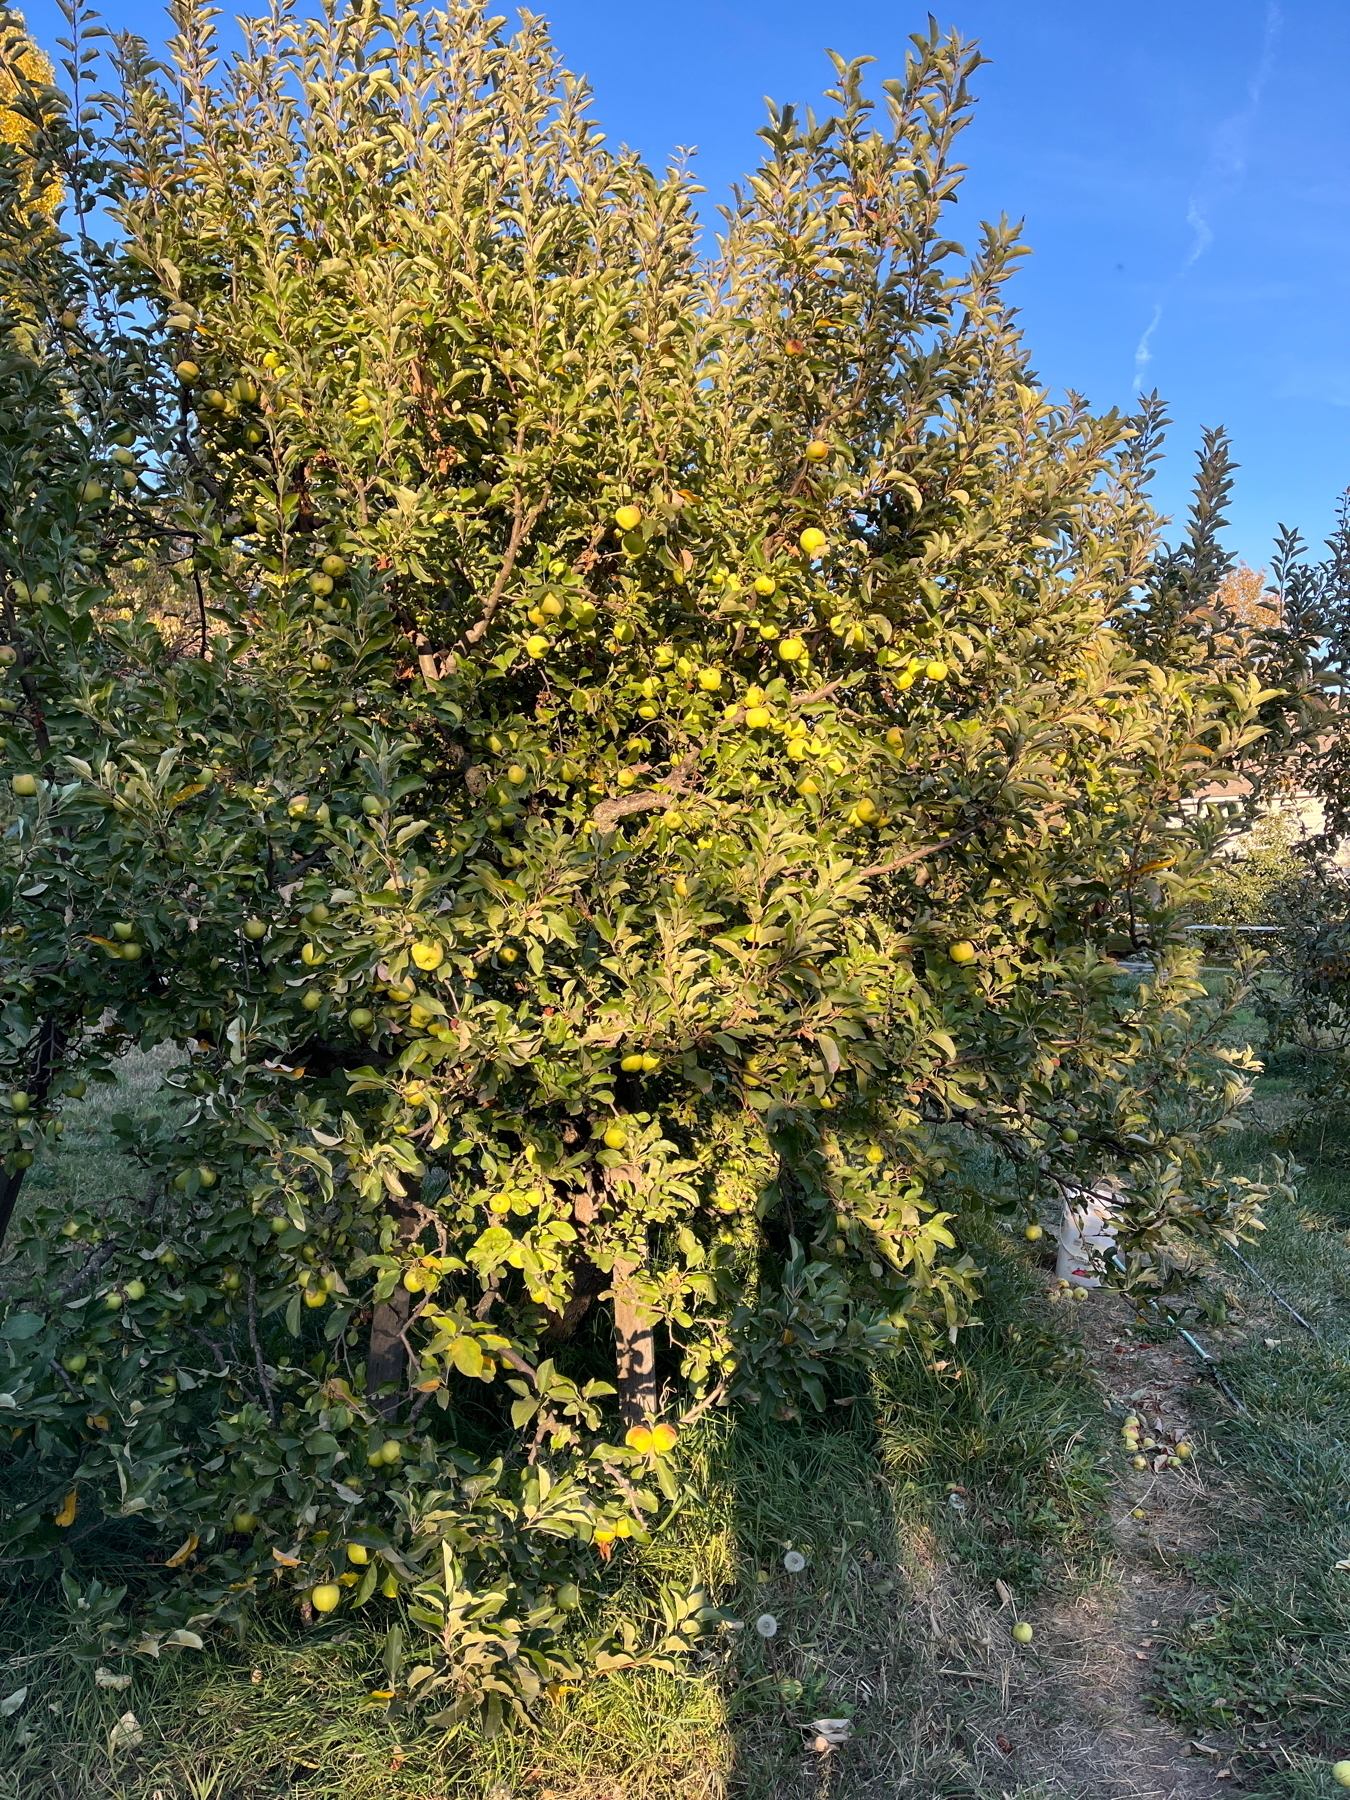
(1087, 1235)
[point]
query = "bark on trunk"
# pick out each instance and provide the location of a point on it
(588, 1282)
(634, 1353)
(386, 1356)
(50, 1047)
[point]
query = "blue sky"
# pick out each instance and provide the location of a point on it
(1183, 171)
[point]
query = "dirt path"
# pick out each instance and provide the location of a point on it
(948, 1702)
(1085, 1722)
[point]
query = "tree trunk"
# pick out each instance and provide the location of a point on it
(588, 1282)
(386, 1354)
(634, 1353)
(50, 1045)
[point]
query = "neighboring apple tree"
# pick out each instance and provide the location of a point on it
(611, 765)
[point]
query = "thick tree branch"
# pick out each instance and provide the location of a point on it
(609, 812)
(522, 525)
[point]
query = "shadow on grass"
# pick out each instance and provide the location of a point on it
(955, 1479)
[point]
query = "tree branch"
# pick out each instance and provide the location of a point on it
(521, 527)
(914, 856)
(609, 812)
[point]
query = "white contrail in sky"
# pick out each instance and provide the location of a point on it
(1143, 356)
(1226, 166)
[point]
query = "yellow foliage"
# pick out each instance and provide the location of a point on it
(20, 68)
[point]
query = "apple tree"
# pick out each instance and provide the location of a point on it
(614, 759)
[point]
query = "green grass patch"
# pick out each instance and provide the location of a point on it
(1271, 1661)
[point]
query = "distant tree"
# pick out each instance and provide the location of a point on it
(1244, 595)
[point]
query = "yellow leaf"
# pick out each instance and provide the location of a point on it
(287, 1562)
(97, 1421)
(182, 1553)
(69, 1507)
(193, 787)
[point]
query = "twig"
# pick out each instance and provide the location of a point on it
(58, 1370)
(202, 1338)
(87, 1271)
(713, 1398)
(917, 855)
(201, 606)
(820, 693)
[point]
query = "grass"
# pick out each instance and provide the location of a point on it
(859, 1631)
(1270, 1661)
(908, 1507)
